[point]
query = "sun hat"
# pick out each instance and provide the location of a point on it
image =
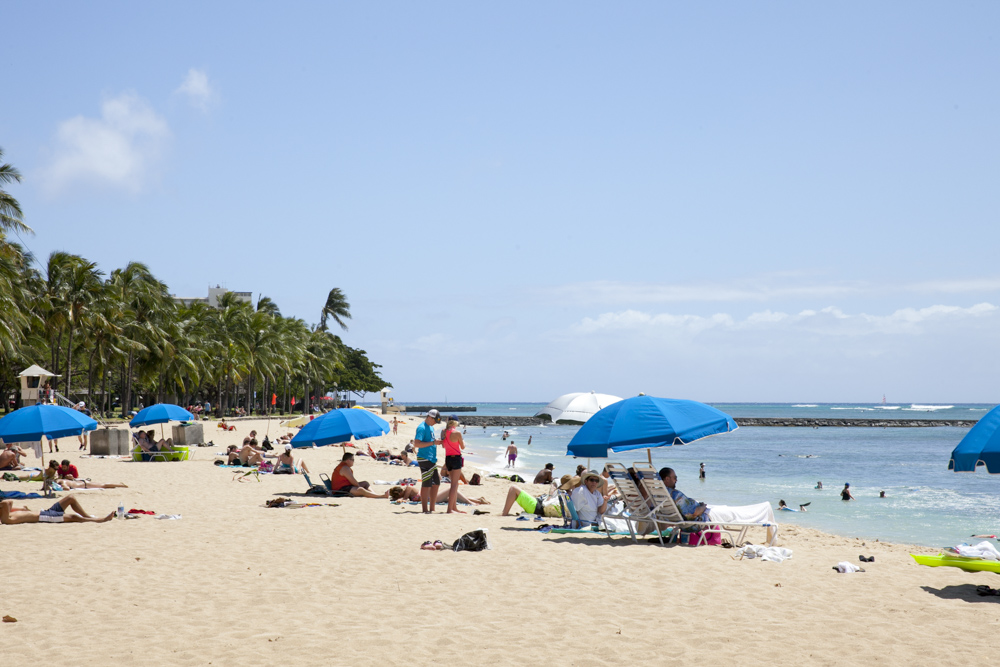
(567, 482)
(587, 474)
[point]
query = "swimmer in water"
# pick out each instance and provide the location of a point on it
(819, 485)
(786, 508)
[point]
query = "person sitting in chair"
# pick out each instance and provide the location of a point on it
(691, 509)
(342, 480)
(587, 498)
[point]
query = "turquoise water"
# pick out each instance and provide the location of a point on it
(925, 504)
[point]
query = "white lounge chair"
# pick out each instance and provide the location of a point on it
(666, 512)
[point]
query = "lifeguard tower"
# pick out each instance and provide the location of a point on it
(33, 380)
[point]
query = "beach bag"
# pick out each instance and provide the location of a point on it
(476, 480)
(9, 477)
(474, 541)
(266, 445)
(317, 490)
(517, 478)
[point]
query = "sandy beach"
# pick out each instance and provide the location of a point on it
(233, 582)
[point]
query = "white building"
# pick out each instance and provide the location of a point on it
(213, 297)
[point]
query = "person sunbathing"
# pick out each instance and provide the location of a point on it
(287, 464)
(543, 505)
(87, 484)
(10, 457)
(10, 515)
(250, 455)
(411, 494)
(342, 480)
(782, 506)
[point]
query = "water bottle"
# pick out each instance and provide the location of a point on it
(121, 509)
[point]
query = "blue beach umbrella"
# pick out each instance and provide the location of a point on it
(52, 421)
(340, 426)
(979, 447)
(160, 413)
(643, 422)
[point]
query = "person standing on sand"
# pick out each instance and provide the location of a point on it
(845, 493)
(511, 455)
(453, 446)
(426, 445)
(395, 426)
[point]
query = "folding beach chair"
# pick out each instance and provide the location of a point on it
(636, 509)
(666, 512)
(664, 509)
(571, 518)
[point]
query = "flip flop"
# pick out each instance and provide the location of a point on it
(523, 518)
(480, 512)
(428, 546)
(869, 559)
(438, 545)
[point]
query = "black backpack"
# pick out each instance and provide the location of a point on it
(474, 541)
(266, 445)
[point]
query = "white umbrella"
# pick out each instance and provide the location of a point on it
(576, 408)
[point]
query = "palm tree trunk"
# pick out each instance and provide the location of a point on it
(69, 361)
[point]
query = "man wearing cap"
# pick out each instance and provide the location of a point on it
(426, 445)
(544, 475)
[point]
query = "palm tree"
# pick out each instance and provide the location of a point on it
(10, 210)
(337, 308)
(83, 287)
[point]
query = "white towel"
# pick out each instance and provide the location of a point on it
(983, 550)
(847, 568)
(772, 554)
(761, 513)
(36, 447)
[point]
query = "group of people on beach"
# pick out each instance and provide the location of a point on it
(426, 444)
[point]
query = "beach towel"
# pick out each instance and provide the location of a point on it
(983, 550)
(772, 554)
(18, 495)
(847, 568)
(761, 513)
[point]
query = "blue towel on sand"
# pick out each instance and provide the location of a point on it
(18, 495)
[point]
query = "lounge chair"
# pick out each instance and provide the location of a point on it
(665, 512)
(635, 504)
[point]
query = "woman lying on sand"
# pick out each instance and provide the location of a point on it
(56, 514)
(409, 494)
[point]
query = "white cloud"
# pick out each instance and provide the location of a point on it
(766, 288)
(197, 89)
(118, 149)
(830, 321)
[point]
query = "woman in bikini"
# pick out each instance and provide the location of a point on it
(287, 464)
(453, 446)
(404, 494)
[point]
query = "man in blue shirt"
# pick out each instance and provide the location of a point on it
(691, 509)
(426, 446)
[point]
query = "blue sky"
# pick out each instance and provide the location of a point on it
(734, 202)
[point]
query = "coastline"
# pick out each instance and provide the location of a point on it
(235, 582)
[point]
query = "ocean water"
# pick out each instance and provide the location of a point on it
(925, 504)
(783, 410)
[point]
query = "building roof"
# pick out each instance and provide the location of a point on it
(36, 371)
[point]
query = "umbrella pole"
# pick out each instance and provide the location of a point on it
(649, 455)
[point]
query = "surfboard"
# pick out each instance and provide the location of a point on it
(967, 564)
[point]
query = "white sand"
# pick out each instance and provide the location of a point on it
(236, 583)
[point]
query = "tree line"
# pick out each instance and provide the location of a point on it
(123, 335)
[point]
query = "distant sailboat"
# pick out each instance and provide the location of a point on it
(883, 399)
